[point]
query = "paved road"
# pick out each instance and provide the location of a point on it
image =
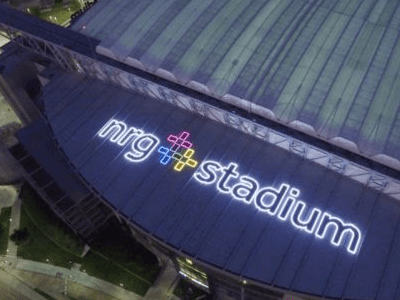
(8, 195)
(78, 277)
(14, 225)
(7, 115)
(11, 288)
(10, 294)
(162, 289)
(55, 286)
(164, 285)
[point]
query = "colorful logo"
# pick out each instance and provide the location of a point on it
(282, 202)
(180, 153)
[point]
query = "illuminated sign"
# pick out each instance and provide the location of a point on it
(281, 202)
(142, 144)
(180, 151)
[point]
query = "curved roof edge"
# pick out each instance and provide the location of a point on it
(251, 107)
(376, 179)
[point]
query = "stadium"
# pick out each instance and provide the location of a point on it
(252, 143)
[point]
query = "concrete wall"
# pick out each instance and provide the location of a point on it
(16, 72)
(10, 169)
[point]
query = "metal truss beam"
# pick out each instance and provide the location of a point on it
(74, 61)
(56, 53)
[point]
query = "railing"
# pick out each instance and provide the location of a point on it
(369, 177)
(74, 61)
(8, 129)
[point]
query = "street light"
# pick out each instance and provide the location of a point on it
(89, 43)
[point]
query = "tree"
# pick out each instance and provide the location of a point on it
(74, 5)
(19, 235)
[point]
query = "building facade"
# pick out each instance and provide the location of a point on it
(243, 205)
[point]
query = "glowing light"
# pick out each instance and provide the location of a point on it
(287, 206)
(187, 162)
(245, 189)
(142, 147)
(339, 229)
(312, 219)
(281, 202)
(269, 192)
(114, 128)
(179, 141)
(165, 157)
(142, 144)
(193, 279)
(181, 159)
(206, 169)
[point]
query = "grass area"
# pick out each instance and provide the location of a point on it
(121, 258)
(187, 291)
(58, 13)
(100, 267)
(125, 251)
(44, 217)
(4, 229)
(40, 248)
(47, 296)
(115, 256)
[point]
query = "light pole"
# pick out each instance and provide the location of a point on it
(89, 43)
(242, 290)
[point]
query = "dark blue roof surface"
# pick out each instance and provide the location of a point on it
(37, 139)
(47, 31)
(332, 65)
(212, 226)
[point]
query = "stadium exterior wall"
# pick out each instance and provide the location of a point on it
(222, 284)
(114, 75)
(106, 69)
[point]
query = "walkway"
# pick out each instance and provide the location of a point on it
(8, 195)
(14, 225)
(16, 288)
(162, 288)
(79, 277)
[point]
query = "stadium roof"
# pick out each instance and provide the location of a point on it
(327, 67)
(36, 27)
(194, 214)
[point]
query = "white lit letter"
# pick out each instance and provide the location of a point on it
(340, 228)
(115, 128)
